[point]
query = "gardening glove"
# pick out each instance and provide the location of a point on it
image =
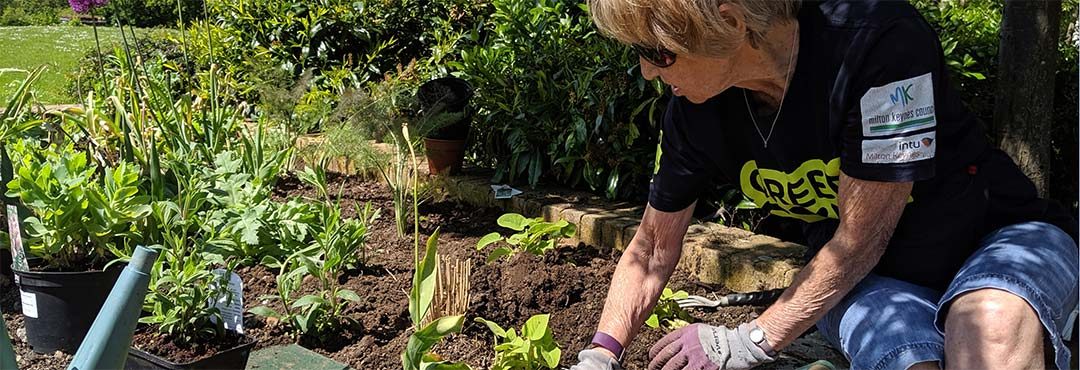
(592, 359)
(701, 346)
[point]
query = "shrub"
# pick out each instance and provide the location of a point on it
(155, 13)
(359, 41)
(31, 12)
(555, 98)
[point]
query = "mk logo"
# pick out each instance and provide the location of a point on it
(901, 95)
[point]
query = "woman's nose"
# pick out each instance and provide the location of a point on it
(648, 70)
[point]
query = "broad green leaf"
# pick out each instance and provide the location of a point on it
(494, 327)
(499, 253)
(348, 294)
(308, 300)
(302, 322)
(653, 321)
(488, 239)
(569, 230)
(536, 327)
(422, 340)
(443, 365)
(546, 228)
(423, 290)
(513, 221)
(264, 311)
(516, 239)
(551, 357)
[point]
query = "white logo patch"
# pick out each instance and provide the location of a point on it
(900, 149)
(899, 107)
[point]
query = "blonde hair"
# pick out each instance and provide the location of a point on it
(688, 26)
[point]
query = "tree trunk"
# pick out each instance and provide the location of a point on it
(1024, 109)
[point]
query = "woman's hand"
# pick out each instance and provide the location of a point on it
(701, 346)
(595, 359)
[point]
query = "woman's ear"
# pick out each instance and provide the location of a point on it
(733, 15)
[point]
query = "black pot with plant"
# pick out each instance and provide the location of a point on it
(234, 358)
(444, 117)
(79, 219)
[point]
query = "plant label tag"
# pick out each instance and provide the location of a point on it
(18, 255)
(504, 191)
(29, 304)
(231, 305)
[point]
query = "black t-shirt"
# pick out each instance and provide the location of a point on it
(869, 97)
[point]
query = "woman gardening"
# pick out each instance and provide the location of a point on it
(933, 250)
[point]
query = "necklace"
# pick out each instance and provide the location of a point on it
(765, 139)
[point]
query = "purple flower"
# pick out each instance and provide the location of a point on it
(85, 6)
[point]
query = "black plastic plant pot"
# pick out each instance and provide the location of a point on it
(446, 95)
(235, 358)
(59, 307)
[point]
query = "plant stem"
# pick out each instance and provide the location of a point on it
(183, 38)
(97, 41)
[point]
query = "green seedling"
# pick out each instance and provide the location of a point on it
(416, 355)
(667, 313)
(534, 236)
(535, 348)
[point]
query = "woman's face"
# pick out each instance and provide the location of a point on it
(698, 78)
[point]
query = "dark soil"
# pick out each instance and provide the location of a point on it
(570, 284)
(180, 352)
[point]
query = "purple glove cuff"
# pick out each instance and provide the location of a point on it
(609, 343)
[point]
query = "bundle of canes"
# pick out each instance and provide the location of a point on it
(451, 289)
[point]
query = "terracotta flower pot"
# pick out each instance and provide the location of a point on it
(444, 156)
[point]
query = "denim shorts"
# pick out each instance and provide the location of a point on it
(886, 324)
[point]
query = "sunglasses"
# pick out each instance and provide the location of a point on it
(658, 56)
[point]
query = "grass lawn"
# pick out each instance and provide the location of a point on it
(59, 47)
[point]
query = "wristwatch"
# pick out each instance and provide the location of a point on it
(601, 339)
(757, 335)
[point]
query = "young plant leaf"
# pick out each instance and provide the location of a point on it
(348, 294)
(536, 327)
(264, 311)
(309, 300)
(551, 358)
(513, 221)
(421, 341)
(488, 239)
(423, 290)
(498, 253)
(494, 327)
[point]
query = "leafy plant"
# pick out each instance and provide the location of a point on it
(335, 249)
(416, 355)
(533, 236)
(183, 285)
(533, 349)
(727, 205)
(81, 217)
(556, 98)
(338, 245)
(667, 312)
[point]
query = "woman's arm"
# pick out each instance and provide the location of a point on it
(869, 212)
(643, 271)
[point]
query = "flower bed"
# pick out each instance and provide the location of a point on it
(569, 283)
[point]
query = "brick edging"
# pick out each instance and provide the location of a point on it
(715, 254)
